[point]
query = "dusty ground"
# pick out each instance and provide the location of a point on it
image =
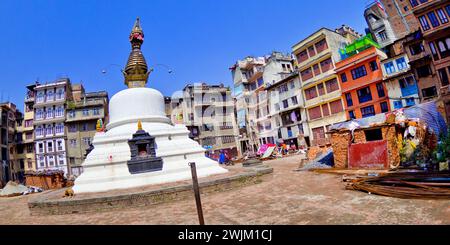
(285, 197)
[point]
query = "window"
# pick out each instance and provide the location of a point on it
(87, 141)
(260, 82)
(390, 68)
(410, 102)
(311, 51)
(71, 114)
(444, 47)
(343, 77)
(73, 128)
(30, 148)
(367, 111)
(49, 130)
(443, 76)
(364, 95)
(85, 112)
(373, 134)
(292, 84)
(416, 49)
(40, 147)
(348, 98)
(283, 88)
(336, 106)
(380, 90)
(351, 115)
(50, 112)
(318, 133)
(40, 98)
(423, 71)
(331, 85)
(373, 65)
(359, 72)
(59, 129)
(314, 113)
(96, 111)
(61, 159)
(84, 127)
(442, 16)
(429, 92)
(384, 107)
(413, 3)
(321, 89)
(49, 146)
(306, 74)
(433, 19)
(285, 104)
(73, 143)
(294, 100)
(310, 93)
(59, 112)
(424, 23)
(401, 63)
(326, 65)
(316, 69)
(50, 95)
(42, 161)
(398, 104)
(59, 145)
(302, 56)
(60, 93)
(39, 131)
(434, 51)
(325, 110)
(383, 35)
(447, 8)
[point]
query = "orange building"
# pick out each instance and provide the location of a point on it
(361, 80)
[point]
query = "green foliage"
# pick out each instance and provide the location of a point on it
(443, 149)
(71, 105)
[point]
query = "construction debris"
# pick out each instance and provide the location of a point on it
(13, 189)
(405, 185)
(324, 161)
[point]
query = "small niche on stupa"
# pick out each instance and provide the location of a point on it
(143, 153)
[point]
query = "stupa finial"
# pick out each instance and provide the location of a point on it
(139, 125)
(136, 71)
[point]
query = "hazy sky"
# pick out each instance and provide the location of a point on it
(198, 39)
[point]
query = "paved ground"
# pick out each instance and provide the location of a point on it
(285, 197)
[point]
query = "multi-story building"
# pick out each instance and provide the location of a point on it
(208, 113)
(399, 79)
(50, 135)
(287, 110)
(250, 77)
(390, 20)
(434, 16)
(361, 79)
(400, 17)
(27, 130)
(379, 25)
(316, 56)
(8, 136)
(83, 112)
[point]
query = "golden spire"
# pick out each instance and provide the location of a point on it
(136, 71)
(139, 125)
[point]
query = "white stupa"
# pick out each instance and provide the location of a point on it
(105, 168)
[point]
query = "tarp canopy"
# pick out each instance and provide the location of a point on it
(425, 112)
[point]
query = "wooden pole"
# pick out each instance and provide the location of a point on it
(197, 193)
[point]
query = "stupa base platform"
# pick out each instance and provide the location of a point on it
(53, 202)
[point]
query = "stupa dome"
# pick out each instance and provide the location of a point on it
(133, 104)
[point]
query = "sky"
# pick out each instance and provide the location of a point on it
(198, 39)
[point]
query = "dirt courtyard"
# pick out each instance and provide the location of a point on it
(284, 197)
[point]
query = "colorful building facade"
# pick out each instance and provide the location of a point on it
(316, 56)
(361, 79)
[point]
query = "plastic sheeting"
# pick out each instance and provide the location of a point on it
(426, 112)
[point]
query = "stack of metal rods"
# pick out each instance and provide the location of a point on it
(406, 185)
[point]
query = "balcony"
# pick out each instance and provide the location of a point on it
(29, 99)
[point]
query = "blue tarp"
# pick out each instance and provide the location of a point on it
(426, 112)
